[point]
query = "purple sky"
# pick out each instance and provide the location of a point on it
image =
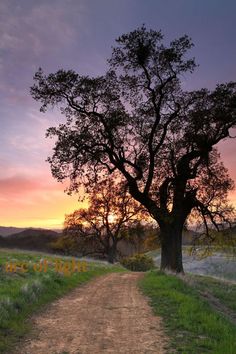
(78, 34)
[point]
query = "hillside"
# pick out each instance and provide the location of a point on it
(2, 239)
(30, 239)
(9, 230)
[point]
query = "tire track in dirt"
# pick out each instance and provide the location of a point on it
(107, 315)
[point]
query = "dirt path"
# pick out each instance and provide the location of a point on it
(107, 315)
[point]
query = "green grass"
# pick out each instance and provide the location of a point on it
(22, 294)
(191, 324)
(222, 290)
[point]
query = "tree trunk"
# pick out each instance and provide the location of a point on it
(111, 254)
(171, 247)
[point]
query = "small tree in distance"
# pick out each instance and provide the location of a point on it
(102, 226)
(137, 121)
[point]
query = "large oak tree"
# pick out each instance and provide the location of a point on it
(137, 120)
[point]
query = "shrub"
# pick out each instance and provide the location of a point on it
(30, 291)
(138, 263)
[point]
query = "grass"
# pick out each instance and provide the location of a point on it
(191, 324)
(23, 293)
(222, 290)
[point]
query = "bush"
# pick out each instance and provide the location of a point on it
(138, 263)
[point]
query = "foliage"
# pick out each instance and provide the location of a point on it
(144, 235)
(104, 224)
(138, 263)
(137, 121)
(66, 245)
(190, 322)
(152, 240)
(222, 240)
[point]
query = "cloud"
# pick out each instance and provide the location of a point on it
(17, 185)
(33, 202)
(34, 34)
(21, 185)
(35, 28)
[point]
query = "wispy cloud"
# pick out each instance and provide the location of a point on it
(21, 185)
(34, 29)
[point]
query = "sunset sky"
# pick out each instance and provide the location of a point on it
(78, 34)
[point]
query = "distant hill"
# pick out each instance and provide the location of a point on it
(31, 239)
(2, 239)
(189, 236)
(233, 229)
(41, 239)
(6, 231)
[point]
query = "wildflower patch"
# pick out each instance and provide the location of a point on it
(60, 266)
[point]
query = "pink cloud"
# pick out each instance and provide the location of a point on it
(21, 185)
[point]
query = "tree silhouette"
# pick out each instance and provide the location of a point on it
(137, 120)
(103, 225)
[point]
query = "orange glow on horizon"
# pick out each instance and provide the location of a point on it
(40, 201)
(48, 213)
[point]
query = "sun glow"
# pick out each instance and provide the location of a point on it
(112, 218)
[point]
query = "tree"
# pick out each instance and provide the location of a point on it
(137, 120)
(143, 236)
(102, 226)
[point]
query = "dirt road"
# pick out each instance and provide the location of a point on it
(107, 315)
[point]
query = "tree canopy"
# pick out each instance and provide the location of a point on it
(111, 213)
(136, 120)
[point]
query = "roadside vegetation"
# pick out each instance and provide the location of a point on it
(23, 293)
(138, 263)
(191, 323)
(220, 294)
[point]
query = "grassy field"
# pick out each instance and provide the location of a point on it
(218, 264)
(191, 322)
(24, 292)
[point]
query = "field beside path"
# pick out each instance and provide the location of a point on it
(198, 312)
(217, 264)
